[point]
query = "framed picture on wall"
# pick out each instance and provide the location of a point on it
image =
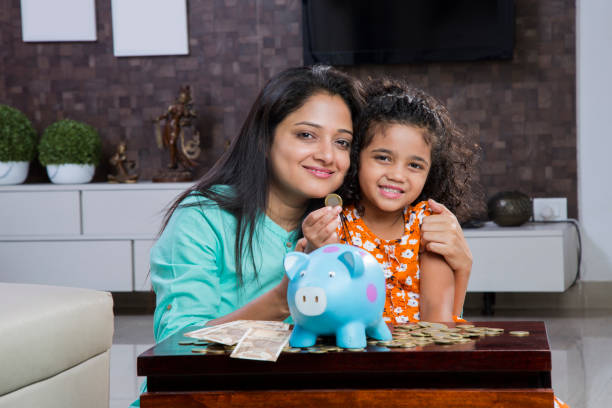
(58, 20)
(149, 27)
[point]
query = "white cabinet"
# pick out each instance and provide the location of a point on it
(534, 257)
(94, 235)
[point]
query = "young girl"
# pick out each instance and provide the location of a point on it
(408, 151)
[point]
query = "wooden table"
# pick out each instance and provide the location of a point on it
(497, 371)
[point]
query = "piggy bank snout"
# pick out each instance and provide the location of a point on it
(311, 301)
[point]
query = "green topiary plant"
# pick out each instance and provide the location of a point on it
(69, 142)
(17, 136)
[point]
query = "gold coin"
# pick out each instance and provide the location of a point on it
(199, 350)
(519, 333)
(354, 349)
(492, 333)
(423, 324)
(185, 343)
(318, 351)
(384, 342)
(465, 326)
(332, 200)
(292, 350)
(215, 351)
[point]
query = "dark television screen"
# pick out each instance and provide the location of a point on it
(349, 32)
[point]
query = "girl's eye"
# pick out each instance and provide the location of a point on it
(382, 158)
(416, 166)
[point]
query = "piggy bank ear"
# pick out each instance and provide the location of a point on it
(353, 262)
(294, 262)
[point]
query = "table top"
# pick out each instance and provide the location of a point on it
(505, 359)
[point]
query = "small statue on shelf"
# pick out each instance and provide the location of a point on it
(122, 166)
(171, 136)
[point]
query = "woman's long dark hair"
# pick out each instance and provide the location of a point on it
(453, 155)
(245, 167)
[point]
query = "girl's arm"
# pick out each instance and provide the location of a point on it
(437, 288)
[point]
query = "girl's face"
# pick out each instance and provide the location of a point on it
(393, 168)
(309, 156)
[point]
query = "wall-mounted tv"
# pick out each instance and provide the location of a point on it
(351, 32)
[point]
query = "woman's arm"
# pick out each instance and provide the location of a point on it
(272, 305)
(437, 288)
(441, 234)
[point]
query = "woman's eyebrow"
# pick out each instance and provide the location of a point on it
(320, 127)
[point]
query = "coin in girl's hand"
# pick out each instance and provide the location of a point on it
(332, 200)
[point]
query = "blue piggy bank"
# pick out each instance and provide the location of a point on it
(336, 290)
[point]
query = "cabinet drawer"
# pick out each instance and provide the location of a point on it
(101, 265)
(39, 213)
(142, 278)
(131, 213)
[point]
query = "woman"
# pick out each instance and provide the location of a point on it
(219, 257)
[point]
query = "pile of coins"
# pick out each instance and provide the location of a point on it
(415, 335)
(206, 347)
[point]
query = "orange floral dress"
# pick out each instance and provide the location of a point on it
(398, 257)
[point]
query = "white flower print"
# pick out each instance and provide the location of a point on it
(355, 214)
(398, 310)
(356, 240)
(413, 241)
(379, 256)
(418, 273)
(420, 216)
(416, 316)
(359, 227)
(404, 240)
(390, 286)
(401, 294)
(388, 273)
(349, 217)
(386, 265)
(387, 319)
(369, 246)
(408, 254)
(402, 267)
(409, 280)
(413, 303)
(377, 241)
(401, 319)
(411, 220)
(413, 295)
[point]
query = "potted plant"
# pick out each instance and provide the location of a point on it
(71, 151)
(17, 145)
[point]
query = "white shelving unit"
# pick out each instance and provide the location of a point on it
(95, 235)
(534, 257)
(98, 236)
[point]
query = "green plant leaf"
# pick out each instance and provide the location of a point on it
(17, 135)
(69, 141)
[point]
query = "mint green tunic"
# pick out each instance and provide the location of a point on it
(193, 269)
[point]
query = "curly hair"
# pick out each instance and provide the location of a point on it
(451, 176)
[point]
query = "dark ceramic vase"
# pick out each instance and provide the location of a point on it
(510, 208)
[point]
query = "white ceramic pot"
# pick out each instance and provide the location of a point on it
(13, 172)
(70, 173)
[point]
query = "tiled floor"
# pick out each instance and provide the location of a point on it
(581, 343)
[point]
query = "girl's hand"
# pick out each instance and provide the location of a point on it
(442, 235)
(319, 228)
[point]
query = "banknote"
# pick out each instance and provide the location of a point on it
(197, 334)
(231, 333)
(264, 344)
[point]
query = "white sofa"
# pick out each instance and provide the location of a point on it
(54, 346)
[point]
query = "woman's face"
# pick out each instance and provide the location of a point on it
(309, 156)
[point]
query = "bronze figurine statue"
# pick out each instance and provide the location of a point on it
(122, 166)
(171, 136)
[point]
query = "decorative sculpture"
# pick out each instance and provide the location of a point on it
(172, 137)
(122, 166)
(336, 290)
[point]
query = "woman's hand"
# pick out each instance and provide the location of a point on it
(319, 228)
(442, 235)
